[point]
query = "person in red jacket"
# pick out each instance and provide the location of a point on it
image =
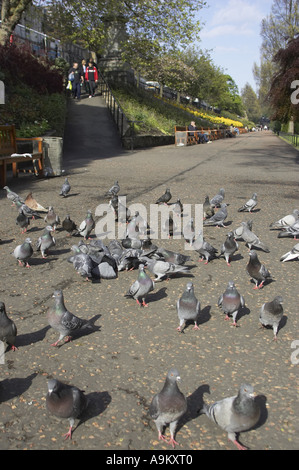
(91, 77)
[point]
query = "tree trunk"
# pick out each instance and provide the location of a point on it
(11, 13)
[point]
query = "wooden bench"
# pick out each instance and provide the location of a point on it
(8, 146)
(185, 137)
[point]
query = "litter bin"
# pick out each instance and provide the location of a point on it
(53, 156)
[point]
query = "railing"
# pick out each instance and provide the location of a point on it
(292, 138)
(125, 126)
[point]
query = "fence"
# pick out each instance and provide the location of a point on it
(125, 126)
(291, 138)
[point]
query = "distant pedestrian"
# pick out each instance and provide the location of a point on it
(84, 67)
(76, 77)
(91, 77)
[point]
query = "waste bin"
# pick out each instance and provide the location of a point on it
(53, 156)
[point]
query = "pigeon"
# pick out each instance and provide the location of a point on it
(292, 254)
(290, 231)
(218, 218)
(12, 196)
(132, 230)
(231, 302)
(229, 247)
(235, 414)
(52, 218)
(208, 210)
(249, 205)
(45, 241)
(141, 287)
(217, 200)
(165, 198)
(162, 268)
(168, 406)
(65, 188)
(287, 220)
(32, 203)
(256, 270)
(204, 248)
(82, 262)
(114, 190)
(250, 238)
(8, 329)
(23, 253)
(172, 256)
(23, 221)
(169, 226)
(141, 224)
(178, 208)
(189, 231)
(63, 321)
(131, 243)
(69, 225)
(188, 307)
(271, 314)
(113, 203)
(27, 211)
(65, 401)
(87, 225)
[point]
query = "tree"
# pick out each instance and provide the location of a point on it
(277, 29)
(251, 103)
(284, 91)
(11, 13)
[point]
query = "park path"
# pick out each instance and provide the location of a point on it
(124, 363)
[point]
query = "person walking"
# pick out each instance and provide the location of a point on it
(76, 77)
(91, 77)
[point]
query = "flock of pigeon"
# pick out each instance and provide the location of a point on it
(92, 259)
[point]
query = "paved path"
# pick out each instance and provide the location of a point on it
(124, 363)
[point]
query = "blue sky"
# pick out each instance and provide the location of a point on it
(232, 31)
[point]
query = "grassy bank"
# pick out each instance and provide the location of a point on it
(159, 116)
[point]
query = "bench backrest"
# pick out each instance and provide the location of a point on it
(7, 140)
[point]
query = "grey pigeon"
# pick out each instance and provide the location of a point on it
(23, 221)
(249, 205)
(235, 414)
(287, 220)
(271, 314)
(217, 200)
(229, 247)
(290, 231)
(189, 231)
(132, 230)
(45, 241)
(172, 256)
(23, 253)
(12, 196)
(26, 210)
(87, 225)
(141, 223)
(128, 242)
(141, 287)
(218, 218)
(65, 188)
(8, 329)
(169, 226)
(114, 190)
(63, 321)
(231, 302)
(257, 271)
(204, 248)
(250, 238)
(162, 268)
(292, 254)
(165, 198)
(82, 262)
(208, 210)
(52, 218)
(178, 208)
(168, 406)
(188, 307)
(65, 401)
(69, 225)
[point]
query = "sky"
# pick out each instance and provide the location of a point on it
(232, 31)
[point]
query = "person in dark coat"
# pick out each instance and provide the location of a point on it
(76, 77)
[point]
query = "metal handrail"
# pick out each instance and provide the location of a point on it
(124, 125)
